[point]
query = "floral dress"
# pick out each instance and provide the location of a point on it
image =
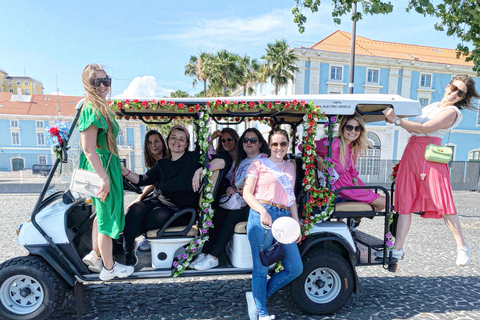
(110, 216)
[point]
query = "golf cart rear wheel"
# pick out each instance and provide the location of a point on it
(325, 284)
(29, 289)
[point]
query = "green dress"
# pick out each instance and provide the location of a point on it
(110, 216)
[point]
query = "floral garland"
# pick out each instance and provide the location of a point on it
(182, 261)
(393, 175)
(321, 198)
(56, 136)
(390, 239)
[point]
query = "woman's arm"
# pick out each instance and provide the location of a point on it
(248, 196)
(130, 175)
(442, 121)
(88, 139)
(215, 164)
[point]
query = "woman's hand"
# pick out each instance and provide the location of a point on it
(105, 190)
(230, 191)
(265, 217)
(389, 115)
(197, 179)
(240, 190)
(216, 134)
(320, 165)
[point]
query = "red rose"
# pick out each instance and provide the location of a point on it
(181, 105)
(163, 102)
(305, 181)
(191, 109)
(144, 104)
(295, 102)
(251, 104)
(120, 105)
(269, 106)
(218, 102)
(171, 103)
(287, 105)
(53, 130)
(311, 123)
(311, 200)
(198, 107)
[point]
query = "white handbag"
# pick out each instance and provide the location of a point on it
(87, 182)
(233, 202)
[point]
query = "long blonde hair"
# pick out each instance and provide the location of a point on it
(99, 104)
(355, 146)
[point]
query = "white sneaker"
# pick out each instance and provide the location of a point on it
(463, 256)
(267, 318)
(396, 254)
(144, 245)
(118, 270)
(199, 259)
(208, 262)
(252, 307)
(93, 262)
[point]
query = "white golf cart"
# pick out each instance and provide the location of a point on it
(58, 232)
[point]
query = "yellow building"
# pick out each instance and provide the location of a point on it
(19, 85)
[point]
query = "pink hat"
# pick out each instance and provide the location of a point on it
(181, 129)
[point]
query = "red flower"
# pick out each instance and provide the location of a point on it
(255, 118)
(310, 117)
(127, 101)
(295, 102)
(306, 221)
(226, 102)
(198, 107)
(308, 147)
(181, 105)
(191, 109)
(243, 102)
(260, 101)
(305, 181)
(310, 130)
(287, 105)
(235, 102)
(251, 104)
(127, 117)
(120, 105)
(311, 123)
(154, 101)
(136, 101)
(303, 103)
(311, 200)
(54, 131)
(163, 102)
(237, 119)
(171, 103)
(145, 104)
(269, 106)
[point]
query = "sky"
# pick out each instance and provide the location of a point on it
(144, 45)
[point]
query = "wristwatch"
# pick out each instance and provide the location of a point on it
(397, 121)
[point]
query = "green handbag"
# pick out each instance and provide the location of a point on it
(438, 154)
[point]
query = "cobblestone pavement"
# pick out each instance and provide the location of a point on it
(427, 285)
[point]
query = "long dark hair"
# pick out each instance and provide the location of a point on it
(466, 103)
(231, 132)
(241, 154)
(149, 159)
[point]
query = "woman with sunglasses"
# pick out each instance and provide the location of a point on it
(98, 131)
(424, 186)
(269, 193)
(226, 150)
(179, 178)
(350, 141)
(154, 149)
(253, 146)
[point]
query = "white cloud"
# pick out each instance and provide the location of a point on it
(143, 88)
(59, 93)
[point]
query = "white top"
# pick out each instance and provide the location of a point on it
(430, 112)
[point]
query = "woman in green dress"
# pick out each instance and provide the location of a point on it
(98, 131)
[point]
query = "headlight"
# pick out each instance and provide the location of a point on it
(19, 227)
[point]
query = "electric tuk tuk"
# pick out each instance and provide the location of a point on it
(58, 232)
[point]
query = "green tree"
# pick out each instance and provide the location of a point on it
(250, 73)
(225, 71)
(279, 64)
(200, 69)
(459, 18)
(179, 94)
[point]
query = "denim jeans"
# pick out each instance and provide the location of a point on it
(292, 263)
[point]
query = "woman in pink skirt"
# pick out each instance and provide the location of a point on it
(350, 141)
(424, 186)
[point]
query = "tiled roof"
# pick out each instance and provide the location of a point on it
(39, 104)
(339, 41)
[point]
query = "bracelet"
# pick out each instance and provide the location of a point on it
(105, 178)
(127, 173)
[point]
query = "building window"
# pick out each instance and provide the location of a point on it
(10, 82)
(120, 138)
(11, 90)
(16, 138)
(26, 83)
(42, 159)
(46, 98)
(40, 139)
(426, 80)
(14, 123)
(372, 76)
(423, 102)
(369, 163)
(39, 124)
(19, 83)
(71, 102)
(27, 91)
(336, 73)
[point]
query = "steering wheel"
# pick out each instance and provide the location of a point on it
(127, 185)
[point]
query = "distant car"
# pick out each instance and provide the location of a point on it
(43, 169)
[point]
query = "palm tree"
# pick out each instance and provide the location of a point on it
(250, 70)
(225, 71)
(280, 64)
(199, 68)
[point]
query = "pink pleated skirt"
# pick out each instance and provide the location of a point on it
(433, 194)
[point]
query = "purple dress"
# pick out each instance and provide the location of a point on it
(346, 172)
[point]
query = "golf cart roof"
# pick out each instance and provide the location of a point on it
(367, 105)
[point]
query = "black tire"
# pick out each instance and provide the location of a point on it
(325, 284)
(29, 289)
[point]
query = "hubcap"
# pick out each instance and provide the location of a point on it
(21, 294)
(322, 285)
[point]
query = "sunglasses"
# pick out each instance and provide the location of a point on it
(282, 144)
(107, 82)
(460, 93)
(349, 127)
(229, 139)
(252, 140)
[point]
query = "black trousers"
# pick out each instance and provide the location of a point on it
(224, 222)
(145, 215)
